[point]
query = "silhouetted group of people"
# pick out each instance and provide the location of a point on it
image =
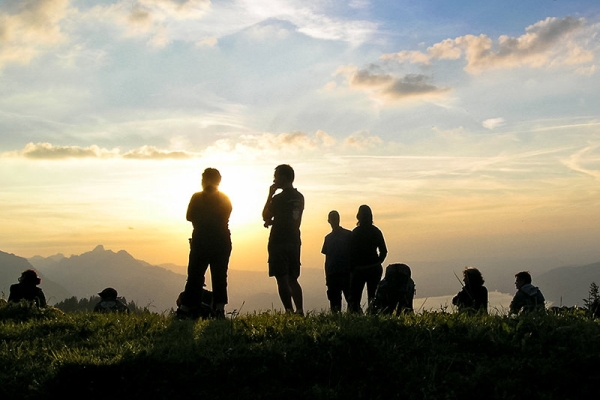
(473, 297)
(27, 290)
(353, 259)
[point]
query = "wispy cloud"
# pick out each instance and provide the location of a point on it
(585, 161)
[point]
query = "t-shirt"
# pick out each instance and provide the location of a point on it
(336, 248)
(209, 213)
(287, 208)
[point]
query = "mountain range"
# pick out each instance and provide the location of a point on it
(157, 287)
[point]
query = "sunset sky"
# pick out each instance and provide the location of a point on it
(471, 128)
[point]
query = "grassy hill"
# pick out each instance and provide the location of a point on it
(47, 354)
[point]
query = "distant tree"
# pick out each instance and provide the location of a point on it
(72, 305)
(592, 303)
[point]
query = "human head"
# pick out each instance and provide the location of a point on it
(364, 215)
(522, 278)
(472, 277)
(211, 177)
(30, 277)
(334, 218)
(108, 294)
(284, 175)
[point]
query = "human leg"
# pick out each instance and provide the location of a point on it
(197, 265)
(285, 292)
(357, 284)
(373, 277)
(218, 273)
(334, 292)
(296, 292)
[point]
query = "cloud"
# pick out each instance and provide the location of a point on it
(493, 123)
(151, 18)
(362, 140)
(207, 42)
(388, 88)
(152, 153)
(585, 161)
(311, 19)
(47, 151)
(547, 42)
(28, 27)
(252, 146)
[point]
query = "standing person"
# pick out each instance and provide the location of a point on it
(474, 296)
(336, 247)
(528, 297)
(283, 213)
(368, 251)
(209, 212)
(27, 289)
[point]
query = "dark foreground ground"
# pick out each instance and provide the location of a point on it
(47, 354)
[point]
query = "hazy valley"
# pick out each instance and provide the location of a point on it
(157, 287)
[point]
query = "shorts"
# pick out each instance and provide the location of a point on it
(284, 259)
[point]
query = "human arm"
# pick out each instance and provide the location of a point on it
(267, 213)
(383, 251)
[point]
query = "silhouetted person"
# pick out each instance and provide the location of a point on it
(109, 302)
(209, 212)
(283, 213)
(27, 289)
(528, 297)
(336, 248)
(473, 297)
(367, 252)
(395, 292)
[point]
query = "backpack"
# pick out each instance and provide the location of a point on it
(204, 310)
(395, 292)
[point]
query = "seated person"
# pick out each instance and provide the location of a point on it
(109, 302)
(27, 289)
(528, 297)
(474, 296)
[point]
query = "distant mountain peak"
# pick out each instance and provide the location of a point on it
(98, 248)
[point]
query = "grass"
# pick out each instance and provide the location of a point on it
(433, 355)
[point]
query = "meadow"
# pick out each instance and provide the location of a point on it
(46, 354)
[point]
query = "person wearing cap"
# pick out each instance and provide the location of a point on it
(27, 289)
(109, 302)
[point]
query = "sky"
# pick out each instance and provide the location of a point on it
(472, 129)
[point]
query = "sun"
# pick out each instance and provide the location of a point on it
(247, 197)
